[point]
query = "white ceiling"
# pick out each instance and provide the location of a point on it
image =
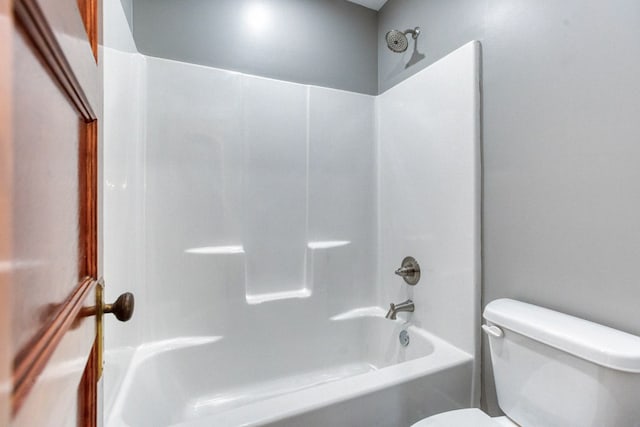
(371, 4)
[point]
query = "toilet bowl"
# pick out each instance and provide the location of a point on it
(552, 369)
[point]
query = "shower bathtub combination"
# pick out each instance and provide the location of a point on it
(351, 371)
(259, 223)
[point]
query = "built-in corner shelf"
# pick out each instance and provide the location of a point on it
(275, 296)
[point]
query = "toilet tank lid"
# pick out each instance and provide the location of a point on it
(596, 343)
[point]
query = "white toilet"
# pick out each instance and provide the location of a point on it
(555, 370)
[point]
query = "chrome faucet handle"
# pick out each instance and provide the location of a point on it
(409, 271)
(405, 271)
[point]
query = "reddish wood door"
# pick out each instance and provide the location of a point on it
(48, 210)
(5, 219)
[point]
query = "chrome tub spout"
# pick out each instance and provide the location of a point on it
(396, 308)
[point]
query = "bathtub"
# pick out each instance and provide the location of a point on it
(353, 371)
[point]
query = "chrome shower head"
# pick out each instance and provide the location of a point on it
(397, 40)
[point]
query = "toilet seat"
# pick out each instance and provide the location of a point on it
(465, 418)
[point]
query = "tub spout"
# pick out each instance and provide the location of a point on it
(396, 308)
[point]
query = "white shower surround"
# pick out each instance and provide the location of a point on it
(259, 223)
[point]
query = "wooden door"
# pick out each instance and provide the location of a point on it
(5, 189)
(49, 123)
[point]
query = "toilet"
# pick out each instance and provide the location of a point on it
(555, 370)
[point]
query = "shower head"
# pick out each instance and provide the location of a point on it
(397, 40)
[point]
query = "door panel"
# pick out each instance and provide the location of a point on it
(52, 400)
(52, 227)
(46, 210)
(65, 23)
(6, 189)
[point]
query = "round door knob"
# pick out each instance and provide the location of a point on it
(122, 308)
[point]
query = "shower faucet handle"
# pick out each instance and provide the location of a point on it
(409, 271)
(405, 271)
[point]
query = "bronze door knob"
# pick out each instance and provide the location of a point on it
(122, 308)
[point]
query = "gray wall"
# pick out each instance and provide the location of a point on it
(127, 6)
(329, 43)
(561, 217)
(445, 25)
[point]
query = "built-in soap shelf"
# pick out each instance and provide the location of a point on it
(277, 296)
(216, 250)
(317, 246)
(327, 244)
(316, 268)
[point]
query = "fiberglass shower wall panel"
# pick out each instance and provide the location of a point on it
(341, 198)
(429, 194)
(123, 188)
(123, 192)
(275, 188)
(123, 208)
(194, 197)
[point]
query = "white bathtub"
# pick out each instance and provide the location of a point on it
(351, 372)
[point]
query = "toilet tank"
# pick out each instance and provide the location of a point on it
(556, 370)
